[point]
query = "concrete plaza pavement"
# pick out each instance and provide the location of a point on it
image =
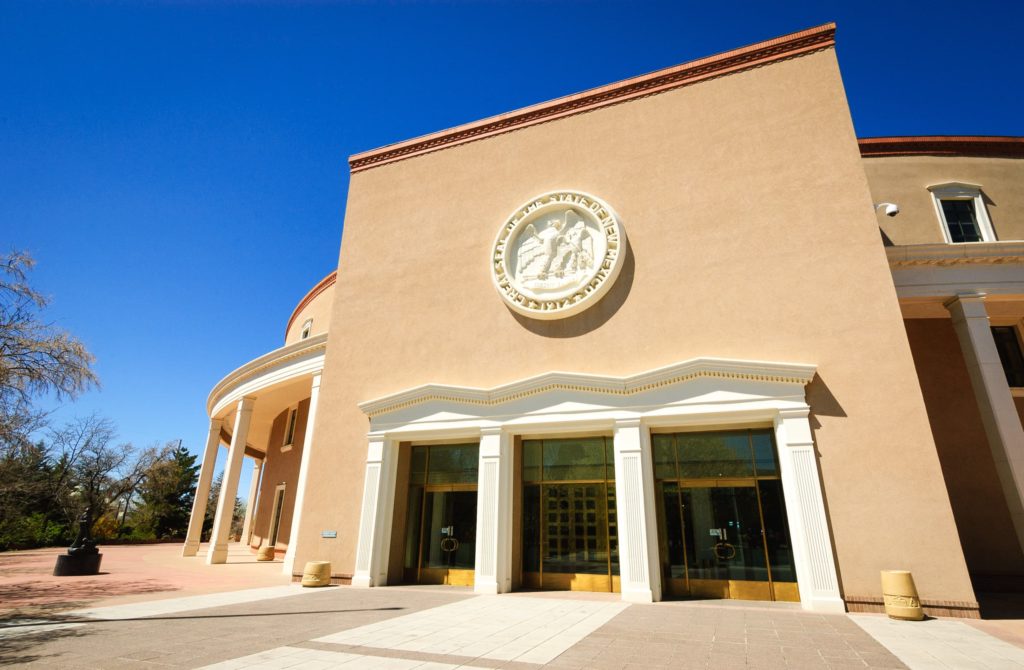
(194, 623)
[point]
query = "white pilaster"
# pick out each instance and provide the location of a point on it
(494, 514)
(229, 484)
(995, 402)
(300, 488)
(195, 522)
(638, 529)
(805, 510)
(377, 512)
(250, 505)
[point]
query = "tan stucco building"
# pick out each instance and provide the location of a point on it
(680, 336)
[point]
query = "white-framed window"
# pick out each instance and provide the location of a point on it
(306, 328)
(289, 429)
(962, 213)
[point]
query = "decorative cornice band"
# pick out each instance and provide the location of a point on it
(736, 60)
(980, 253)
(943, 145)
(321, 286)
(259, 365)
(779, 373)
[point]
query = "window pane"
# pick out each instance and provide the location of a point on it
(418, 469)
(1010, 354)
(764, 453)
(713, 455)
(776, 531)
(664, 457)
(960, 219)
(532, 462)
(574, 459)
(453, 464)
(531, 529)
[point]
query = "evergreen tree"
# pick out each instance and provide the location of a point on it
(167, 494)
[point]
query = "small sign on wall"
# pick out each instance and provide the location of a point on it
(329, 533)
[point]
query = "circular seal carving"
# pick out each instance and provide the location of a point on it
(557, 254)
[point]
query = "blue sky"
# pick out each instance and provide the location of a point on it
(179, 170)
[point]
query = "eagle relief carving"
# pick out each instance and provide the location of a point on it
(557, 254)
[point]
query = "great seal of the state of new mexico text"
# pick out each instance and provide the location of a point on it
(558, 254)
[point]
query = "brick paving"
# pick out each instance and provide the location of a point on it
(271, 625)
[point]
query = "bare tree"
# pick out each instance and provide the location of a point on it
(36, 357)
(93, 470)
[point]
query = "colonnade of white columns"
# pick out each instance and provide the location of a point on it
(229, 484)
(639, 561)
(995, 402)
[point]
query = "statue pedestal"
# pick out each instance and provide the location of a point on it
(79, 564)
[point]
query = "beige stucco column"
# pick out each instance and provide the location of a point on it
(195, 522)
(494, 514)
(992, 392)
(300, 487)
(250, 506)
(634, 500)
(229, 484)
(378, 506)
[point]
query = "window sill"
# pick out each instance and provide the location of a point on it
(286, 447)
(1017, 391)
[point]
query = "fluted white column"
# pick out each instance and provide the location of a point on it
(300, 488)
(250, 507)
(805, 510)
(377, 512)
(637, 521)
(995, 402)
(229, 484)
(195, 522)
(494, 514)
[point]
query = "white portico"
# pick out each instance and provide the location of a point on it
(242, 409)
(704, 392)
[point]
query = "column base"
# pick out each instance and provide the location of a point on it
(362, 581)
(218, 554)
(190, 549)
(486, 588)
(288, 563)
(825, 605)
(640, 596)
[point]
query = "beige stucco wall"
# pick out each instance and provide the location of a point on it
(280, 467)
(983, 519)
(318, 309)
(904, 180)
(752, 236)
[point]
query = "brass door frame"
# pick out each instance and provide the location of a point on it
(751, 482)
(438, 488)
(613, 580)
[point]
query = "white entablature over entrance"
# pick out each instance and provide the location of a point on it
(704, 392)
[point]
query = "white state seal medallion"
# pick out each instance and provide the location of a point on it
(558, 254)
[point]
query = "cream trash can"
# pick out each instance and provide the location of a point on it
(265, 553)
(317, 573)
(900, 596)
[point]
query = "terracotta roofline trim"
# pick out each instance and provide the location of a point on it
(737, 60)
(988, 146)
(321, 286)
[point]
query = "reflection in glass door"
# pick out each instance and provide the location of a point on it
(440, 544)
(570, 539)
(722, 516)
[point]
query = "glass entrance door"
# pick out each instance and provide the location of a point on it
(722, 517)
(448, 549)
(570, 538)
(440, 541)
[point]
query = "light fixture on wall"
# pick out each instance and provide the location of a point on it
(890, 208)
